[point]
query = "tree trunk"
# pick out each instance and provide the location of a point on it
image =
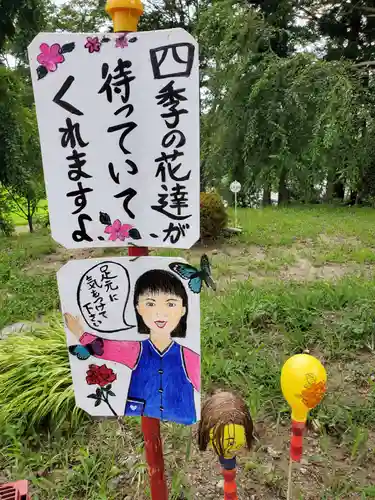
(335, 188)
(283, 190)
(353, 197)
(266, 200)
(339, 190)
(30, 222)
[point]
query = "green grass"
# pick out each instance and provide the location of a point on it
(261, 315)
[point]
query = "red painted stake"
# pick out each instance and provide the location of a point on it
(151, 433)
(230, 486)
(296, 442)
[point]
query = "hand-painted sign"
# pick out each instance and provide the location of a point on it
(118, 118)
(133, 331)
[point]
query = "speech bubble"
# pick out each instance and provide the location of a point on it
(102, 297)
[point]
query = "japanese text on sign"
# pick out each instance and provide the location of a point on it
(118, 117)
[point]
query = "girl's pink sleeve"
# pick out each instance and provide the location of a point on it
(193, 367)
(121, 351)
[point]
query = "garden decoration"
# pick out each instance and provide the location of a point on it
(303, 383)
(235, 188)
(109, 106)
(14, 491)
(226, 426)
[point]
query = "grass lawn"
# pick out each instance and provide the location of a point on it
(296, 280)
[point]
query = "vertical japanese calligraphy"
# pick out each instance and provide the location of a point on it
(173, 196)
(118, 120)
(71, 138)
(102, 296)
(119, 83)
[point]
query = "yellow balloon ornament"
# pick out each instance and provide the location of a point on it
(303, 383)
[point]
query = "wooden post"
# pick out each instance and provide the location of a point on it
(125, 16)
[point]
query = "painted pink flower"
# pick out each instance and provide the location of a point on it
(50, 56)
(92, 44)
(121, 42)
(118, 231)
(124, 231)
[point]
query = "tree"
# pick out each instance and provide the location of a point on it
(86, 16)
(21, 174)
(20, 22)
(274, 121)
(349, 28)
(27, 190)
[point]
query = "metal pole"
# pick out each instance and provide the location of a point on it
(235, 209)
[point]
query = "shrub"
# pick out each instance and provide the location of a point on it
(6, 225)
(213, 215)
(6, 222)
(35, 380)
(42, 221)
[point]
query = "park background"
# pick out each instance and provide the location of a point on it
(287, 110)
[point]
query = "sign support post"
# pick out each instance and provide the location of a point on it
(125, 16)
(235, 187)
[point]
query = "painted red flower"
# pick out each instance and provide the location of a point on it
(92, 44)
(100, 375)
(50, 56)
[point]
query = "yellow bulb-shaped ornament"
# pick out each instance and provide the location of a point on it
(303, 383)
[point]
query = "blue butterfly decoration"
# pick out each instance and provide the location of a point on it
(96, 348)
(195, 276)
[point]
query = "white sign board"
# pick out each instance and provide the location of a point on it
(118, 119)
(235, 187)
(133, 331)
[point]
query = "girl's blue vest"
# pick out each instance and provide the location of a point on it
(159, 386)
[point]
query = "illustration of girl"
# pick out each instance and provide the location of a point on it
(165, 373)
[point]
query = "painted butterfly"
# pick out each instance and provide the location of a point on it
(96, 348)
(195, 276)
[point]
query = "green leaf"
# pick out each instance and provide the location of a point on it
(98, 402)
(111, 393)
(135, 234)
(41, 72)
(92, 396)
(68, 47)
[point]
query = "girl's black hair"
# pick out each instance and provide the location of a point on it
(158, 280)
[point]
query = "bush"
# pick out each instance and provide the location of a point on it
(42, 221)
(213, 215)
(6, 225)
(6, 222)
(35, 380)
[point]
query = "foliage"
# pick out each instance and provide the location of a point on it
(82, 16)
(35, 378)
(42, 221)
(256, 103)
(255, 324)
(213, 216)
(21, 172)
(20, 22)
(25, 292)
